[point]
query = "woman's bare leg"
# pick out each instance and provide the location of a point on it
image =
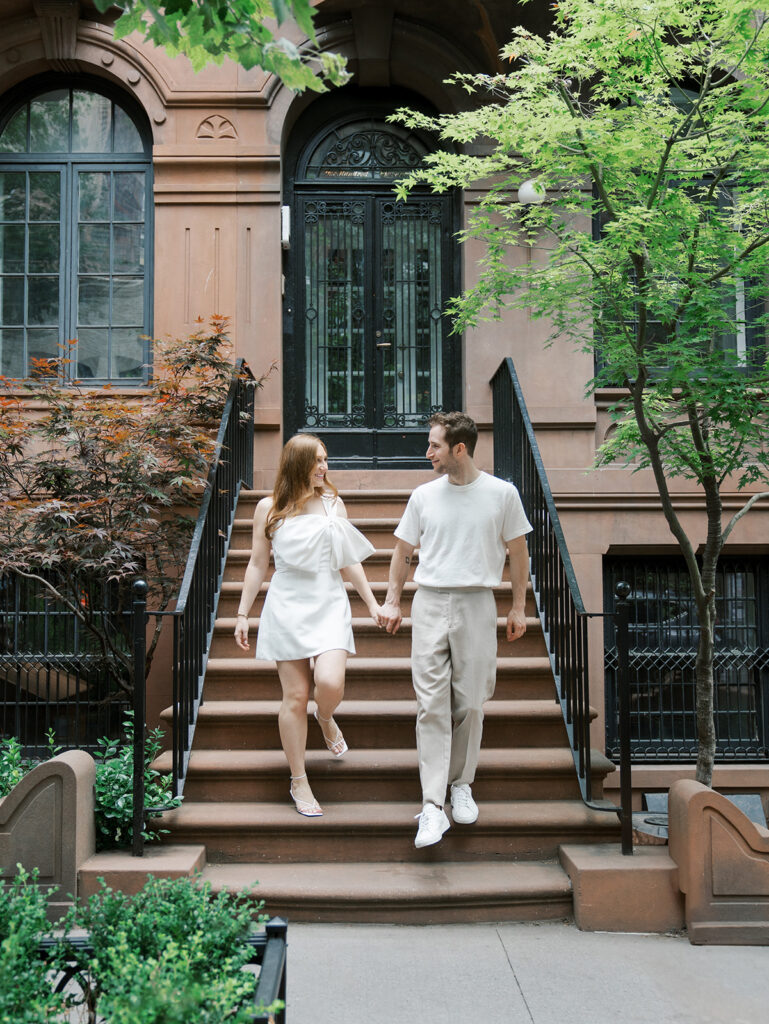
(329, 674)
(295, 680)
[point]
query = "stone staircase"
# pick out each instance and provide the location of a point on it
(358, 862)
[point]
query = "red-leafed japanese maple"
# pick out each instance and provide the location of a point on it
(98, 487)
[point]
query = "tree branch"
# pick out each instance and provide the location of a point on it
(743, 511)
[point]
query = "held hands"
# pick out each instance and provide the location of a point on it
(516, 624)
(241, 632)
(375, 611)
(390, 617)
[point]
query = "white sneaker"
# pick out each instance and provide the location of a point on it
(432, 824)
(464, 810)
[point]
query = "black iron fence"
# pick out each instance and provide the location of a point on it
(663, 644)
(55, 680)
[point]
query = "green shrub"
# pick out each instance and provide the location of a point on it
(26, 995)
(168, 989)
(13, 767)
(172, 954)
(114, 787)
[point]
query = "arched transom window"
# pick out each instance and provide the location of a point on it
(75, 234)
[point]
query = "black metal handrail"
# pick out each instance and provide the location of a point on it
(195, 611)
(193, 617)
(554, 582)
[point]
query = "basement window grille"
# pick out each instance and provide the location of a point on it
(663, 646)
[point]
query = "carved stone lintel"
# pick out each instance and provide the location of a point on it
(58, 26)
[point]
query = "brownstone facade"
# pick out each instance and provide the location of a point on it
(224, 149)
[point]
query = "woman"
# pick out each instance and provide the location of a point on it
(306, 623)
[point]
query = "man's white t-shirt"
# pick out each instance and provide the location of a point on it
(461, 531)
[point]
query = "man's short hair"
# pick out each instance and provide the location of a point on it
(458, 428)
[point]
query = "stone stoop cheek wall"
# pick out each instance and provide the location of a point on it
(47, 822)
(723, 866)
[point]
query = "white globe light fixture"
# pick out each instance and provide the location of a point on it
(531, 193)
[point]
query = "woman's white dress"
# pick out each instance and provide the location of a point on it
(306, 610)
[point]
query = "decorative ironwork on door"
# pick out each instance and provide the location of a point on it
(369, 355)
(374, 333)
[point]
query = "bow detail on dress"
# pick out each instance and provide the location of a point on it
(303, 541)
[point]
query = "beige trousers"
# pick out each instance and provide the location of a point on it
(454, 667)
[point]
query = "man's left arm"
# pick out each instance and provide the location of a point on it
(519, 576)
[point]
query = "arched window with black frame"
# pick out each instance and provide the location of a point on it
(75, 231)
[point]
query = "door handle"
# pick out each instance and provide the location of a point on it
(384, 344)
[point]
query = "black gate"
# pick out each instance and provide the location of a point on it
(368, 353)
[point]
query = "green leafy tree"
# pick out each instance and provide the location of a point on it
(643, 126)
(244, 30)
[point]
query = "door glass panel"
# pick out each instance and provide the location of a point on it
(13, 362)
(127, 138)
(93, 353)
(129, 196)
(12, 248)
(127, 300)
(334, 312)
(12, 299)
(43, 344)
(44, 195)
(411, 313)
(12, 195)
(94, 195)
(129, 248)
(49, 122)
(94, 248)
(91, 123)
(43, 300)
(43, 248)
(127, 352)
(93, 301)
(14, 137)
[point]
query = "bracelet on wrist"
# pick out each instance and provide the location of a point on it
(241, 615)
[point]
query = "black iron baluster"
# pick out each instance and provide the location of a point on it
(622, 621)
(139, 610)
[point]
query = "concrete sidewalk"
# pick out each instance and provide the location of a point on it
(548, 973)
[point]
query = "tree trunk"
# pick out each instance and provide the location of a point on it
(704, 702)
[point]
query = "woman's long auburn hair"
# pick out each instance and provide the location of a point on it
(292, 486)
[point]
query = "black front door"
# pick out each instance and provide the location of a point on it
(370, 352)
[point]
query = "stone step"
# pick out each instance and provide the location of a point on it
(374, 724)
(383, 831)
(425, 893)
(371, 641)
(525, 678)
(229, 598)
(262, 775)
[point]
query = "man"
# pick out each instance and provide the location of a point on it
(464, 524)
